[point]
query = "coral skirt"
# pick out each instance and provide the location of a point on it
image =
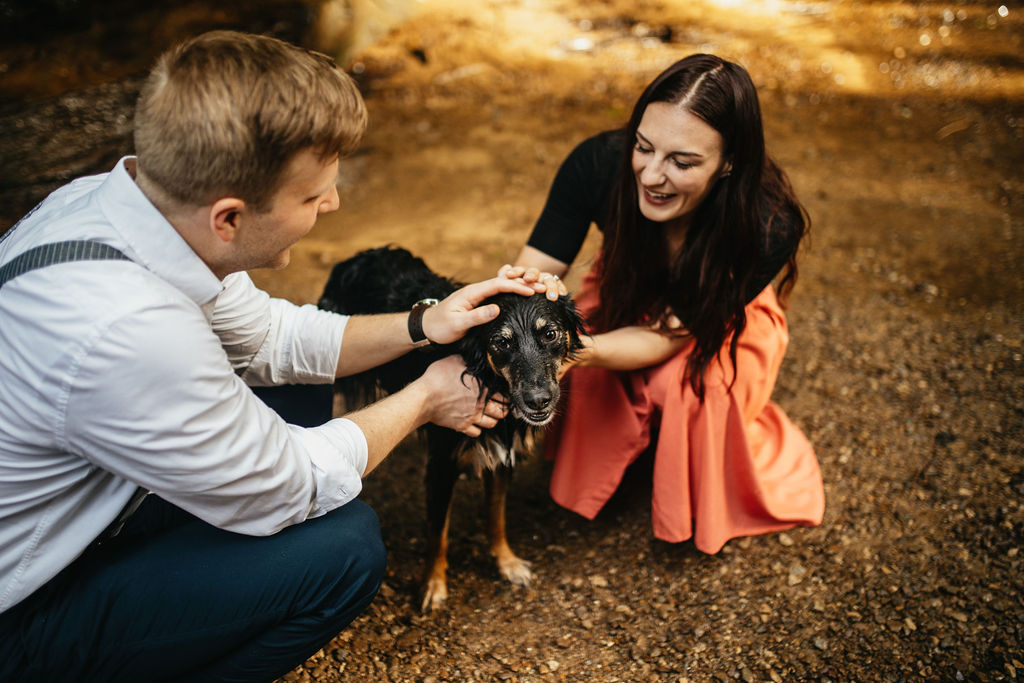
(731, 466)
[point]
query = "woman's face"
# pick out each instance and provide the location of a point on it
(677, 158)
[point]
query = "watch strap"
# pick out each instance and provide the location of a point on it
(419, 338)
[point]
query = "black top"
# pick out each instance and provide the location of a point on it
(579, 196)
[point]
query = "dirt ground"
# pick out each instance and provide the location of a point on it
(902, 127)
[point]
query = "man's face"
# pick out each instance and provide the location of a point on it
(308, 189)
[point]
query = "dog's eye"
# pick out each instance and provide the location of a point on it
(501, 343)
(549, 335)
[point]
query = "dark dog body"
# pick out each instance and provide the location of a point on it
(517, 355)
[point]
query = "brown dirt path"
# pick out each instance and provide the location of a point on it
(901, 126)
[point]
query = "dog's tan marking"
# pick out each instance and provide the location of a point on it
(494, 368)
(435, 582)
(514, 569)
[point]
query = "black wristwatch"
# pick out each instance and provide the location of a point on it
(416, 322)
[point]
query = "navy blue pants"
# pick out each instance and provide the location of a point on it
(173, 598)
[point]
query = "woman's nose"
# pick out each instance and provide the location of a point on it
(652, 173)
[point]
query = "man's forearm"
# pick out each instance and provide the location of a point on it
(374, 339)
(371, 340)
(388, 421)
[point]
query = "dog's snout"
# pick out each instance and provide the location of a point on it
(537, 399)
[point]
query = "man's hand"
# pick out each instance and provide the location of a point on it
(441, 395)
(542, 282)
(457, 402)
(449, 320)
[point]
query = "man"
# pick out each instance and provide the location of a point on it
(131, 375)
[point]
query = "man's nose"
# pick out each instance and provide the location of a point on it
(332, 202)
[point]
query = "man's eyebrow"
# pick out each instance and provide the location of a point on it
(677, 153)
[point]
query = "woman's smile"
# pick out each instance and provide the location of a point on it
(657, 197)
(677, 158)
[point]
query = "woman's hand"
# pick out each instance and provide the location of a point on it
(582, 357)
(671, 325)
(541, 281)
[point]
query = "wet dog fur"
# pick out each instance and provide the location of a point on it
(517, 355)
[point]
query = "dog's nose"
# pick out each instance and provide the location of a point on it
(537, 399)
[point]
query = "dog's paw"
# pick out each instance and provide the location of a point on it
(515, 570)
(435, 592)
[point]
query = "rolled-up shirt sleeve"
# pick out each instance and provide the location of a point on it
(324, 444)
(154, 399)
(271, 341)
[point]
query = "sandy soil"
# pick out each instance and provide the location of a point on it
(901, 126)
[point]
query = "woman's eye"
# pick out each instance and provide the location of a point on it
(682, 165)
(640, 148)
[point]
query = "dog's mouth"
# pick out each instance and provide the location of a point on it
(534, 418)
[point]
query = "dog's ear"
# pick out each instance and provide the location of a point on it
(473, 349)
(572, 322)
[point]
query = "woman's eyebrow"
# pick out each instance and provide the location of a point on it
(644, 139)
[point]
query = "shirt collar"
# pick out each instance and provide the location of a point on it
(154, 242)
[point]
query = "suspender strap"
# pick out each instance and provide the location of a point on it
(58, 252)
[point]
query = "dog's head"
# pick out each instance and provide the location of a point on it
(520, 353)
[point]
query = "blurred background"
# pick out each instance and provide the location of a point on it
(901, 125)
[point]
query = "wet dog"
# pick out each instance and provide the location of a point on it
(517, 355)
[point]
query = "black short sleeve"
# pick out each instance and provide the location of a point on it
(578, 196)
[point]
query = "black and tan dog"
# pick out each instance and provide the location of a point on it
(517, 355)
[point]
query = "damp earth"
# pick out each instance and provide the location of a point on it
(902, 128)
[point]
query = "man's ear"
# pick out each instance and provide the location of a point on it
(225, 217)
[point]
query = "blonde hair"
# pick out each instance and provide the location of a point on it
(224, 113)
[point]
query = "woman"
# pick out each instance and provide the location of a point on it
(687, 333)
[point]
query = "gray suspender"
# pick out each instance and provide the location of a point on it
(58, 252)
(64, 252)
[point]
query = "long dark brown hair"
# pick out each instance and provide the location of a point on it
(706, 284)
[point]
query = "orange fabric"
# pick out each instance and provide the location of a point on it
(731, 466)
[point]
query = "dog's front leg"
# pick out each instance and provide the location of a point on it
(514, 569)
(442, 472)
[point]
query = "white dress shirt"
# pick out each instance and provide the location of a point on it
(116, 375)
